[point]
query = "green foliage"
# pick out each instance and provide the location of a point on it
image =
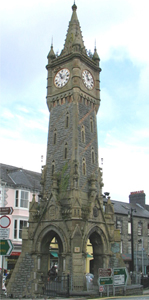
(63, 179)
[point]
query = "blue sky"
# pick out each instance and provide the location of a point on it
(120, 28)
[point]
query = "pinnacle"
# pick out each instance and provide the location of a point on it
(74, 35)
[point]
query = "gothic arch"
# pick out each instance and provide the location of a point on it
(99, 231)
(42, 248)
(100, 246)
(47, 234)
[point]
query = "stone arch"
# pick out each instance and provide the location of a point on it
(42, 248)
(100, 245)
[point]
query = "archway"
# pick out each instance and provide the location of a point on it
(51, 251)
(97, 251)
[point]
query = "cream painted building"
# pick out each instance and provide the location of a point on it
(17, 187)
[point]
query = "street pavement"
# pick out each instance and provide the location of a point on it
(137, 297)
(145, 296)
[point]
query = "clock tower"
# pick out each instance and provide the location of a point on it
(72, 179)
(71, 210)
(73, 98)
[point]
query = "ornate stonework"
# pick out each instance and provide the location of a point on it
(71, 205)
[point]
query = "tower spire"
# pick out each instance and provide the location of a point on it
(51, 54)
(74, 40)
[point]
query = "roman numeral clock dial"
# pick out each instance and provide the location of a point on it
(61, 78)
(88, 79)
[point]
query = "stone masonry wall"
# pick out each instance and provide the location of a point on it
(20, 283)
(85, 114)
(55, 152)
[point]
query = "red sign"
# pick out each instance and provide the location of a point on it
(101, 288)
(138, 192)
(15, 253)
(6, 210)
(5, 222)
(104, 272)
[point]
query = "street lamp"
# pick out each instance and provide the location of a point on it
(130, 213)
(141, 241)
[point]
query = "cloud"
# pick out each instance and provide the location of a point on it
(124, 169)
(23, 154)
(6, 114)
(23, 109)
(121, 30)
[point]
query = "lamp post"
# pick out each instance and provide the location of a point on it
(132, 244)
(142, 249)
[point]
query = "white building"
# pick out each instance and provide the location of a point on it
(17, 187)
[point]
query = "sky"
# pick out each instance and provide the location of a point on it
(119, 28)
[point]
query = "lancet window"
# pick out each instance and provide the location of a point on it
(66, 151)
(67, 120)
(83, 134)
(53, 167)
(84, 166)
(92, 156)
(55, 136)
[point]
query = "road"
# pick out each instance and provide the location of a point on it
(140, 297)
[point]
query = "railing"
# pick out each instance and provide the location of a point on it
(65, 285)
(56, 286)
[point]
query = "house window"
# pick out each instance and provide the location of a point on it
(129, 227)
(119, 225)
(91, 125)
(17, 198)
(24, 199)
(55, 136)
(65, 151)
(83, 134)
(21, 225)
(140, 245)
(15, 229)
(21, 199)
(92, 156)
(18, 226)
(140, 228)
(121, 247)
(84, 167)
(129, 247)
(67, 120)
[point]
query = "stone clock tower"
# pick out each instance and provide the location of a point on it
(71, 207)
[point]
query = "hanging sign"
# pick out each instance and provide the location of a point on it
(6, 210)
(4, 233)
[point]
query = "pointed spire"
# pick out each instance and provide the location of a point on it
(74, 40)
(95, 55)
(51, 54)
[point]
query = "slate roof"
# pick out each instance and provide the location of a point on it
(122, 208)
(20, 178)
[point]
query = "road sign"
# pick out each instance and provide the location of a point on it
(120, 276)
(101, 288)
(6, 210)
(4, 233)
(5, 247)
(104, 272)
(5, 221)
(105, 280)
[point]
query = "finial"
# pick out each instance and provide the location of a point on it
(74, 7)
(52, 42)
(95, 45)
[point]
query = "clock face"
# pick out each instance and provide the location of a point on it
(61, 78)
(88, 79)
